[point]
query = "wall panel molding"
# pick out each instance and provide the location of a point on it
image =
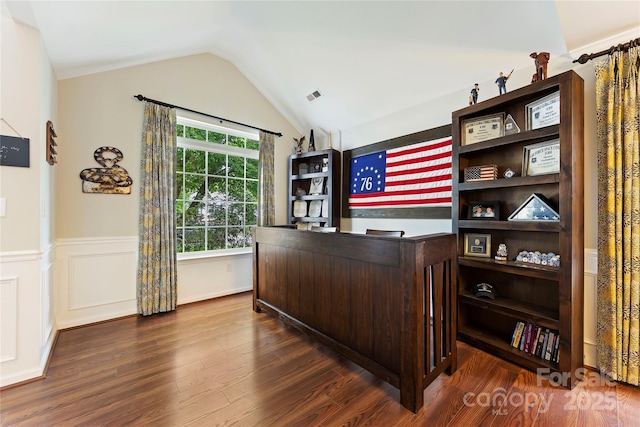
(96, 279)
(8, 318)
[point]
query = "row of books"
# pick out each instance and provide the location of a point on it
(536, 341)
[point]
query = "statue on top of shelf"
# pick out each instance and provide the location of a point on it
(473, 97)
(541, 60)
(501, 81)
(312, 142)
(299, 143)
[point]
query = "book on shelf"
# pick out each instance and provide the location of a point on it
(539, 344)
(527, 338)
(537, 341)
(548, 349)
(534, 340)
(556, 351)
(517, 334)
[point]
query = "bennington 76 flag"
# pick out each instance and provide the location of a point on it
(417, 175)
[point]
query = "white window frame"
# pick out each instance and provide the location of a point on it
(222, 149)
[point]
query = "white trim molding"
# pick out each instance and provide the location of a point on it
(8, 318)
(590, 306)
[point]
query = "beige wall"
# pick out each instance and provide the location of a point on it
(99, 110)
(20, 103)
(28, 91)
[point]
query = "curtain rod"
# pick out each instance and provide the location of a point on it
(620, 48)
(144, 98)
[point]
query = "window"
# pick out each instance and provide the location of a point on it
(217, 188)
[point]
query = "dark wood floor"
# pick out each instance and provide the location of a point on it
(219, 363)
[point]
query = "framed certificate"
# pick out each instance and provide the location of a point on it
(542, 158)
(482, 128)
(315, 208)
(543, 112)
(316, 185)
(299, 209)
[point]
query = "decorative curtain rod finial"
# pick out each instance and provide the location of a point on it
(621, 47)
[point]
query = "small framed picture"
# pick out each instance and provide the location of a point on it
(316, 167)
(317, 185)
(483, 210)
(477, 245)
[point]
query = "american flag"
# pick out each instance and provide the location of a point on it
(417, 175)
(481, 173)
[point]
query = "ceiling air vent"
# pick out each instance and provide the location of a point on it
(314, 95)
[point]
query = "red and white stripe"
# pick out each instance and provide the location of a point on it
(417, 175)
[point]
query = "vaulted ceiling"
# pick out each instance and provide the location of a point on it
(367, 58)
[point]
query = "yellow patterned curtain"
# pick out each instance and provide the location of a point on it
(157, 278)
(266, 199)
(618, 287)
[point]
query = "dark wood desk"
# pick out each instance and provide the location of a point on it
(386, 303)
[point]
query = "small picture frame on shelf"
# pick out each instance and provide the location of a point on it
(316, 167)
(317, 185)
(299, 208)
(477, 245)
(483, 210)
(541, 158)
(543, 112)
(483, 128)
(315, 208)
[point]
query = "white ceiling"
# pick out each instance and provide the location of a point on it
(367, 58)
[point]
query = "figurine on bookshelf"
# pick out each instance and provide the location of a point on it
(299, 143)
(508, 173)
(312, 142)
(473, 97)
(502, 252)
(541, 60)
(501, 81)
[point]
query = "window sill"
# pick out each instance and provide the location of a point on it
(214, 254)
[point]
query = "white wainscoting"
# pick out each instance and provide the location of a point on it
(8, 318)
(27, 318)
(97, 279)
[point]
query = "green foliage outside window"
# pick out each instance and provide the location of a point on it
(217, 193)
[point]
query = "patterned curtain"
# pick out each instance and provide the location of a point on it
(266, 188)
(618, 287)
(157, 278)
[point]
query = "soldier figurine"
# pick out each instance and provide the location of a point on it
(473, 98)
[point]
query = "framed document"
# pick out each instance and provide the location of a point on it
(543, 112)
(542, 158)
(316, 185)
(482, 128)
(477, 245)
(299, 209)
(315, 208)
